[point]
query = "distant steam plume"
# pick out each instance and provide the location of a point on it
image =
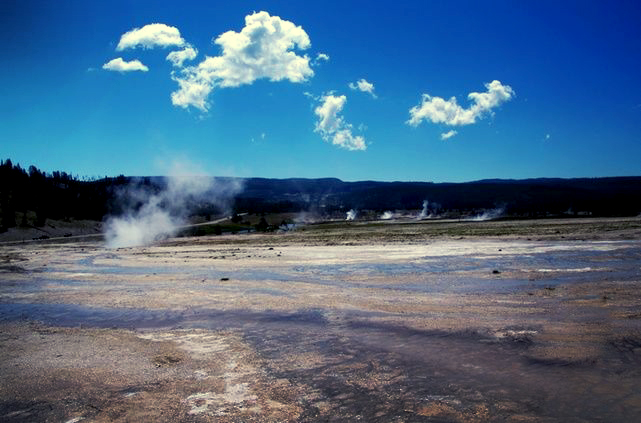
(424, 212)
(162, 213)
(387, 215)
(430, 210)
(489, 214)
(351, 215)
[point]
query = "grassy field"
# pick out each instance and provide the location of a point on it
(365, 232)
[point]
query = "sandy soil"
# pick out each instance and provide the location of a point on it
(380, 322)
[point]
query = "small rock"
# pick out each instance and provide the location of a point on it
(224, 279)
(496, 272)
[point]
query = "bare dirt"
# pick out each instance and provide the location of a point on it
(449, 321)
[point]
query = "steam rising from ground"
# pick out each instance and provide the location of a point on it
(161, 214)
(351, 215)
(424, 212)
(387, 215)
(430, 210)
(489, 214)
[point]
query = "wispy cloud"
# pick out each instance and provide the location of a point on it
(449, 134)
(448, 112)
(321, 57)
(333, 128)
(180, 56)
(364, 86)
(264, 48)
(120, 65)
(150, 36)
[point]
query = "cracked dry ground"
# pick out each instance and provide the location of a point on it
(443, 330)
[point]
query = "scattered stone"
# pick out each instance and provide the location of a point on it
(224, 279)
(166, 360)
(496, 272)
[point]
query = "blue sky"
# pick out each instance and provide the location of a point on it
(557, 83)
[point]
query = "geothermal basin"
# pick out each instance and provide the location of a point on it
(389, 323)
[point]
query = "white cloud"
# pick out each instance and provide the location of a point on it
(321, 57)
(150, 36)
(311, 96)
(439, 110)
(120, 65)
(262, 49)
(192, 92)
(449, 134)
(178, 57)
(547, 136)
(364, 86)
(333, 127)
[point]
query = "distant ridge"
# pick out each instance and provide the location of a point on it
(30, 197)
(610, 196)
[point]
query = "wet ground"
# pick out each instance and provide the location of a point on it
(483, 329)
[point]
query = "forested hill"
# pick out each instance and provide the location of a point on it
(29, 196)
(620, 196)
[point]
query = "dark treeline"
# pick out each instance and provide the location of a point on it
(29, 196)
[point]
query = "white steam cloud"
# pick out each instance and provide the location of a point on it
(351, 215)
(162, 214)
(387, 215)
(439, 110)
(424, 212)
(489, 214)
(430, 210)
(333, 127)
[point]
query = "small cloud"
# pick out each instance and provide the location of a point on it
(449, 134)
(262, 136)
(439, 110)
(333, 127)
(364, 86)
(320, 57)
(311, 96)
(150, 36)
(119, 65)
(178, 57)
(547, 137)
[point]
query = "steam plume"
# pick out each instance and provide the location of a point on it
(424, 212)
(351, 215)
(387, 215)
(162, 213)
(489, 214)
